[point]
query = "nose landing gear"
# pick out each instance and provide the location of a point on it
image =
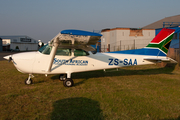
(29, 81)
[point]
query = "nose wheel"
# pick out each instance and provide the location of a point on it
(29, 81)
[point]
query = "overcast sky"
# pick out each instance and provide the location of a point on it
(44, 19)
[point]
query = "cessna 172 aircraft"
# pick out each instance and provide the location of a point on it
(70, 52)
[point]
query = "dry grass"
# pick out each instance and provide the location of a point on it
(132, 93)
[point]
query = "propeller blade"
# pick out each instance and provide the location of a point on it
(10, 58)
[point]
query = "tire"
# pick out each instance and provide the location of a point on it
(28, 82)
(68, 82)
(62, 77)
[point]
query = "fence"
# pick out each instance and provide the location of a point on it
(174, 54)
(125, 45)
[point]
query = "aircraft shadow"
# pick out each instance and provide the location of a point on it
(78, 108)
(178, 118)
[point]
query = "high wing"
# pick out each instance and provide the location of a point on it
(76, 39)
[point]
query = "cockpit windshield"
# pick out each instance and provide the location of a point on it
(45, 49)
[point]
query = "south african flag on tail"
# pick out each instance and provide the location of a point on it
(162, 41)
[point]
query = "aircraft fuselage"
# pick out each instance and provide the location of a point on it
(36, 62)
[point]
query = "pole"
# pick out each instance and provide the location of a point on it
(108, 47)
(120, 45)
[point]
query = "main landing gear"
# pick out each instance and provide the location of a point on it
(67, 82)
(62, 77)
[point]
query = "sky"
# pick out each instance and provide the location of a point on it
(44, 19)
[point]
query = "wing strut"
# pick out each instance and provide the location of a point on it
(53, 53)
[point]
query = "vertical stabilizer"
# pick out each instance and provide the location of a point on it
(162, 40)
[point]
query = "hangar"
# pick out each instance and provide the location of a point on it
(19, 43)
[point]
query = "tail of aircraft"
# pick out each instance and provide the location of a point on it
(162, 41)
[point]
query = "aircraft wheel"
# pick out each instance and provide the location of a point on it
(62, 77)
(68, 82)
(28, 82)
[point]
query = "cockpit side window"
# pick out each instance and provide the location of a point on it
(63, 52)
(79, 52)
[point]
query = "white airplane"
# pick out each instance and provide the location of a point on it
(70, 52)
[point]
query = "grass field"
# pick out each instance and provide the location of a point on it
(132, 93)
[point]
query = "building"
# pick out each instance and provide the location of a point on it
(19, 43)
(172, 21)
(117, 39)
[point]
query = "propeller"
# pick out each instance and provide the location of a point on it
(10, 58)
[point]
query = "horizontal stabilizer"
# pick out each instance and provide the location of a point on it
(167, 59)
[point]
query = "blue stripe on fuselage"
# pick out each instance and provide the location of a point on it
(143, 51)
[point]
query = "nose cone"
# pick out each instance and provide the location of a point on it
(7, 57)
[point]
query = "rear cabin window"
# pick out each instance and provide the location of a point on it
(79, 52)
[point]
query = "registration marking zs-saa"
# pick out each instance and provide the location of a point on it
(124, 62)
